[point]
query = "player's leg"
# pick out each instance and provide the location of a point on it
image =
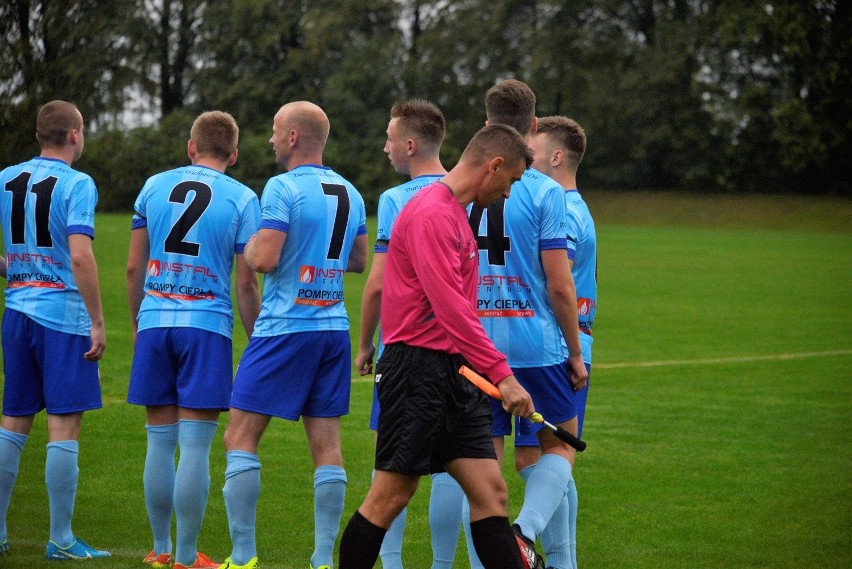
(71, 387)
(389, 493)
(203, 388)
(493, 538)
(391, 550)
(327, 400)
(242, 481)
(501, 427)
(22, 399)
(14, 433)
(153, 384)
(329, 485)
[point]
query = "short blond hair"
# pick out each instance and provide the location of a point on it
(567, 134)
(422, 120)
(55, 120)
(215, 134)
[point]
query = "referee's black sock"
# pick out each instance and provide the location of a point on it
(495, 543)
(361, 542)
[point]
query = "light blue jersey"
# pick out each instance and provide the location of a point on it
(513, 303)
(321, 213)
(197, 219)
(44, 201)
(582, 249)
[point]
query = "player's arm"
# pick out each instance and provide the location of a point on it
(371, 305)
(3, 267)
(563, 300)
(358, 255)
(248, 294)
(137, 263)
(85, 271)
(263, 250)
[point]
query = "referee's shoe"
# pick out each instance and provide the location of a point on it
(529, 557)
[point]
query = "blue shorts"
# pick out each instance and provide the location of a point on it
(303, 373)
(45, 369)
(553, 396)
(376, 409)
(187, 367)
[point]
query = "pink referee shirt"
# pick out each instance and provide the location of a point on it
(430, 280)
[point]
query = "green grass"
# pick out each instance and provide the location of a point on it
(718, 421)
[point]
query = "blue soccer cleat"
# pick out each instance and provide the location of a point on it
(77, 550)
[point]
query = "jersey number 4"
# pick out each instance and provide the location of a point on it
(43, 191)
(495, 240)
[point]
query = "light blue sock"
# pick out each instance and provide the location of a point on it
(60, 475)
(158, 480)
(11, 446)
(555, 538)
(241, 491)
(573, 504)
(445, 517)
(329, 495)
(391, 550)
(192, 485)
(472, 557)
(546, 487)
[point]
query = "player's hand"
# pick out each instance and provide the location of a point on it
(516, 400)
(577, 372)
(98, 337)
(364, 360)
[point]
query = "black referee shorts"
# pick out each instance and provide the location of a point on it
(430, 414)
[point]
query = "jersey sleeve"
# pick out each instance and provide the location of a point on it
(387, 213)
(249, 222)
(573, 230)
(275, 204)
(553, 221)
(81, 207)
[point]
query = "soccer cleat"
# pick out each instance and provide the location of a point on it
(322, 567)
(158, 561)
(4, 547)
(77, 550)
(529, 558)
(228, 564)
(201, 562)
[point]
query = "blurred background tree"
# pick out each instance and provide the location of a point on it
(688, 95)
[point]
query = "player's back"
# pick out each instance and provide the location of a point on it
(513, 303)
(45, 200)
(197, 219)
(321, 213)
(582, 244)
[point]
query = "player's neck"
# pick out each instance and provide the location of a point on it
(64, 153)
(297, 160)
(425, 167)
(567, 180)
(212, 163)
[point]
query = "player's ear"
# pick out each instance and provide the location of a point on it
(233, 158)
(534, 127)
(494, 164)
(557, 158)
(412, 146)
(191, 150)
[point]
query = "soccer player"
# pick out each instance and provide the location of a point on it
(298, 360)
(432, 420)
(527, 305)
(189, 225)
(414, 136)
(53, 325)
(558, 147)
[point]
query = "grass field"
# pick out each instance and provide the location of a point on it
(718, 422)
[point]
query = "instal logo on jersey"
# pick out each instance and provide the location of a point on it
(513, 304)
(22, 270)
(179, 276)
(320, 278)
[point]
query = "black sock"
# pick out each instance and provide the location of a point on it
(360, 544)
(495, 543)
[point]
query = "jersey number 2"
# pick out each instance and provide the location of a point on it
(203, 194)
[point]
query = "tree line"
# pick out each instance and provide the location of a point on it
(693, 95)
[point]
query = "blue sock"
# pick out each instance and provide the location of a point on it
(573, 504)
(11, 446)
(241, 491)
(445, 517)
(472, 557)
(192, 485)
(158, 480)
(60, 475)
(329, 495)
(555, 538)
(546, 487)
